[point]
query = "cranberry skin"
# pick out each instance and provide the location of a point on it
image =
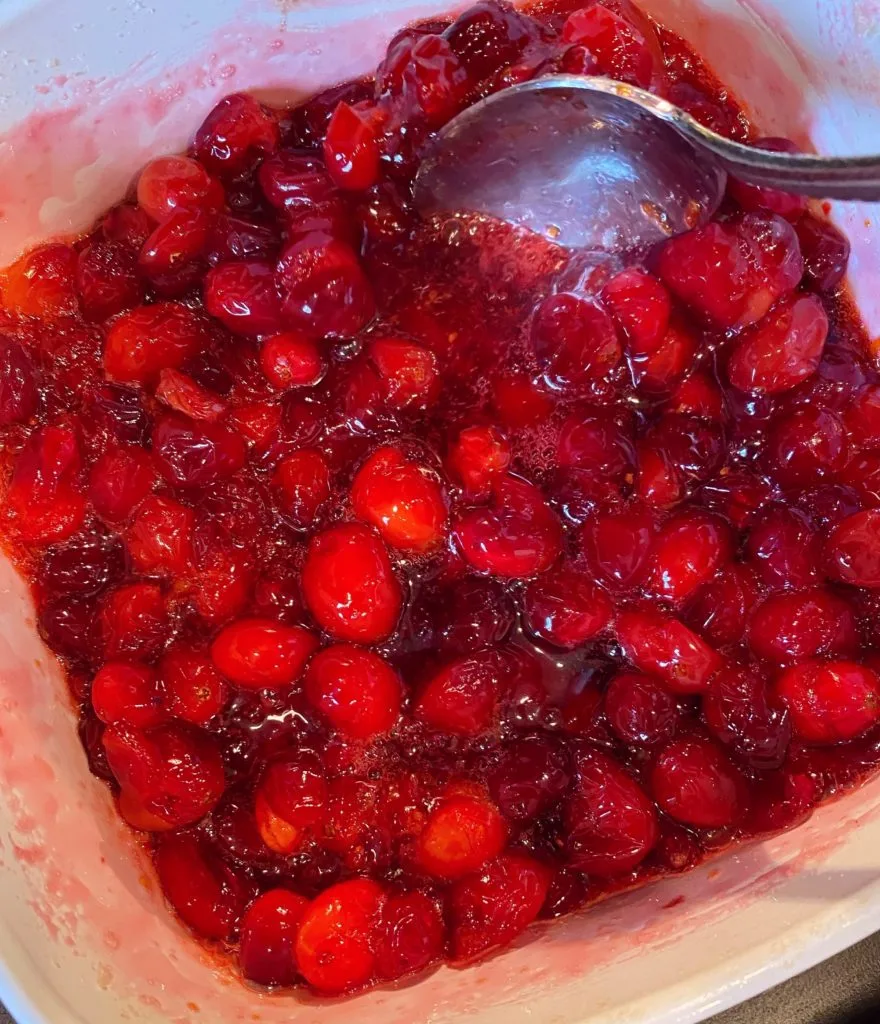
(807, 446)
(359, 692)
(783, 548)
(349, 585)
(826, 252)
(862, 418)
(323, 287)
(516, 536)
(436, 77)
(19, 396)
(175, 770)
(134, 621)
(116, 412)
(351, 148)
(531, 776)
(733, 273)
(206, 893)
(268, 933)
(621, 51)
(106, 279)
(244, 297)
(611, 824)
(149, 339)
(641, 306)
(303, 479)
(617, 547)
(235, 135)
(259, 653)
(754, 197)
(292, 802)
(565, 609)
(640, 711)
(688, 551)
(489, 36)
(411, 935)
(402, 499)
(739, 716)
(127, 692)
(830, 702)
(409, 372)
(462, 697)
(68, 626)
(121, 479)
(475, 613)
(335, 942)
(41, 283)
(159, 539)
(128, 224)
(477, 457)
(719, 609)
(852, 550)
(597, 444)
(783, 800)
(194, 689)
(170, 182)
(662, 646)
(84, 565)
(460, 836)
(172, 249)
(796, 626)
(490, 909)
(291, 360)
(574, 340)
(695, 783)
(301, 188)
(44, 502)
(191, 454)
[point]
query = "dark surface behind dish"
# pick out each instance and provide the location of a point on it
(843, 990)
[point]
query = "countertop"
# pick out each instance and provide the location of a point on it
(843, 990)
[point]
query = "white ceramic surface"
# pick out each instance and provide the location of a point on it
(87, 93)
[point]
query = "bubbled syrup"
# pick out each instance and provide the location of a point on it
(416, 581)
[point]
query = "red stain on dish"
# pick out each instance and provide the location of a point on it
(403, 801)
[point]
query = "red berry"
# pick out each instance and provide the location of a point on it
(826, 252)
(336, 942)
(41, 283)
(268, 935)
(740, 716)
(44, 501)
(205, 892)
(184, 395)
(194, 690)
(460, 836)
(356, 690)
(641, 306)
(149, 339)
(235, 135)
(491, 908)
(195, 454)
(565, 608)
(408, 371)
(756, 197)
(262, 654)
(462, 697)
(719, 609)
(351, 148)
(639, 710)
(802, 624)
(531, 776)
(402, 499)
(489, 36)
(243, 296)
(574, 341)
(853, 549)
(520, 402)
(699, 396)
(170, 182)
(621, 51)
(783, 349)
(695, 783)
(611, 823)
(517, 535)
(159, 539)
(129, 693)
(292, 802)
(664, 647)
(617, 547)
(688, 551)
(121, 480)
(595, 443)
(299, 185)
(349, 584)
(303, 479)
(175, 244)
(411, 935)
(291, 360)
(783, 548)
(134, 620)
(477, 457)
(106, 279)
(807, 446)
(830, 702)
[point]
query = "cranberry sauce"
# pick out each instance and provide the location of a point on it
(415, 581)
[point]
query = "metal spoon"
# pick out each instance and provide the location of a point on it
(594, 163)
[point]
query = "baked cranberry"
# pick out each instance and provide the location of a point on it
(44, 502)
(474, 613)
(462, 697)
(806, 446)
(291, 360)
(243, 296)
(830, 701)
(134, 620)
(409, 372)
(238, 238)
(358, 691)
(531, 776)
(174, 245)
(170, 182)
(323, 288)
(335, 943)
(19, 396)
(595, 443)
(351, 147)
(740, 716)
(617, 547)
(733, 273)
(435, 75)
(235, 135)
(783, 800)
(826, 252)
(783, 548)
(292, 802)
(695, 783)
(41, 283)
(862, 418)
(619, 48)
(303, 479)
(192, 454)
(517, 535)
(121, 479)
(194, 689)
(129, 693)
(639, 710)
(149, 339)
(159, 538)
(402, 499)
(260, 653)
(411, 935)
(349, 585)
(698, 396)
(268, 934)
(68, 626)
(663, 646)
(83, 565)
(688, 551)
(611, 823)
(175, 770)
(299, 185)
(116, 412)
(640, 305)
(719, 609)
(803, 624)
(660, 483)
(460, 836)
(204, 891)
(128, 224)
(183, 394)
(477, 457)
(783, 349)
(756, 197)
(565, 608)
(574, 341)
(492, 907)
(853, 549)
(489, 36)
(106, 279)
(520, 402)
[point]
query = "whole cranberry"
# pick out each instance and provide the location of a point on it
(640, 711)
(695, 783)
(531, 776)
(740, 716)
